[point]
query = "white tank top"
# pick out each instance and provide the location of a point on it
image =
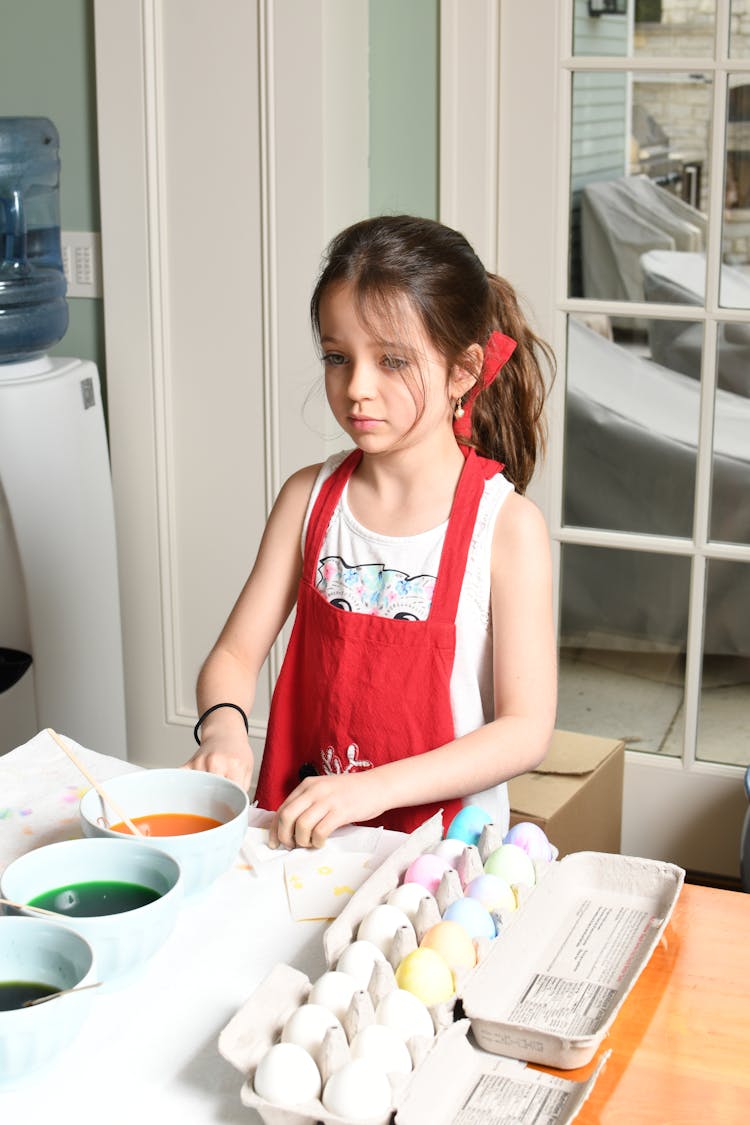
(394, 576)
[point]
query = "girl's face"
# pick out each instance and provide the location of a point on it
(383, 392)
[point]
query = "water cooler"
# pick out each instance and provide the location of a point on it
(60, 630)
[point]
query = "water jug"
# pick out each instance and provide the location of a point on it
(33, 308)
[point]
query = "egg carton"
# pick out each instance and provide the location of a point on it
(450, 1084)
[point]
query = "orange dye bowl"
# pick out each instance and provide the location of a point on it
(198, 818)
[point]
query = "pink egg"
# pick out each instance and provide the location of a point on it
(427, 869)
(532, 839)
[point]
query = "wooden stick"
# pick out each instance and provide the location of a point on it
(61, 992)
(92, 781)
(37, 909)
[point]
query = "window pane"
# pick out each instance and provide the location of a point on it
(724, 718)
(730, 479)
(631, 428)
(638, 28)
(639, 180)
(739, 30)
(735, 273)
(623, 630)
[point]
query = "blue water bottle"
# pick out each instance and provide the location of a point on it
(33, 308)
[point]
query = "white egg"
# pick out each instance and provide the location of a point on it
(407, 897)
(380, 924)
(359, 1091)
(287, 1075)
(358, 960)
(307, 1026)
(450, 848)
(407, 1015)
(382, 1046)
(334, 990)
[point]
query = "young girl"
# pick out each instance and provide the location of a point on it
(420, 673)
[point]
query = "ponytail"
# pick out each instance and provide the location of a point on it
(507, 416)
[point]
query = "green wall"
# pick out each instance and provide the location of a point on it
(47, 70)
(404, 106)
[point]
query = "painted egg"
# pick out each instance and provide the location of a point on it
(334, 990)
(307, 1027)
(380, 924)
(512, 864)
(475, 918)
(428, 870)
(359, 1091)
(425, 974)
(453, 943)
(287, 1075)
(494, 893)
(467, 824)
(382, 1046)
(407, 1015)
(532, 839)
(358, 960)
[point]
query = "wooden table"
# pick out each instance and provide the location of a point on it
(681, 1042)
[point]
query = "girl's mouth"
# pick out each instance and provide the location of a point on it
(362, 423)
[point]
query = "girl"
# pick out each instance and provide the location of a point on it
(420, 673)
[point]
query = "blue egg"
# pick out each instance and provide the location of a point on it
(467, 825)
(473, 916)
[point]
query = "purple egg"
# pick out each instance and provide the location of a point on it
(532, 839)
(475, 918)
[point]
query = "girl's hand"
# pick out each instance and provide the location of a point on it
(320, 805)
(227, 754)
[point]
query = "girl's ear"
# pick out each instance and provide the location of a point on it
(466, 371)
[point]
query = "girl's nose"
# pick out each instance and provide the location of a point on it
(361, 380)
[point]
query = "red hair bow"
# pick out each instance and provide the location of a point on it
(498, 351)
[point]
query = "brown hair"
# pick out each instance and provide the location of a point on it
(459, 303)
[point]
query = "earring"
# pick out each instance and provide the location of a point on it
(458, 411)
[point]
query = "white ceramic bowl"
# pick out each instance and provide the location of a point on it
(47, 953)
(121, 942)
(203, 856)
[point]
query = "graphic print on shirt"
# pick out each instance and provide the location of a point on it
(374, 589)
(333, 762)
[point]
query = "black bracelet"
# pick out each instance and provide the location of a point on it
(216, 707)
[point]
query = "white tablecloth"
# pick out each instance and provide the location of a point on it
(148, 1052)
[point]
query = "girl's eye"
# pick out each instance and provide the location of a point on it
(334, 359)
(394, 363)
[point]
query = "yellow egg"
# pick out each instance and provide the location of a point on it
(424, 973)
(453, 943)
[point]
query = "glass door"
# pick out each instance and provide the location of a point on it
(655, 509)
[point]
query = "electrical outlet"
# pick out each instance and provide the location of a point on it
(82, 257)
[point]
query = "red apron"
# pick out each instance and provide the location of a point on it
(357, 690)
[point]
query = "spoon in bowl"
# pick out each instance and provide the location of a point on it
(61, 992)
(106, 798)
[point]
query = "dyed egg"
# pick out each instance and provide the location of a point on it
(532, 839)
(382, 1046)
(467, 824)
(402, 1011)
(407, 897)
(475, 918)
(424, 973)
(494, 893)
(287, 1075)
(453, 943)
(358, 960)
(359, 1091)
(307, 1027)
(512, 864)
(334, 990)
(380, 924)
(428, 870)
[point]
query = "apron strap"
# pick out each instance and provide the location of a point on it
(457, 537)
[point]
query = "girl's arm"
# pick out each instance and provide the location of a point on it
(525, 683)
(230, 672)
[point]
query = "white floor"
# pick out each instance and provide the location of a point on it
(639, 698)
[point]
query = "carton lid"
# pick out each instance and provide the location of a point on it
(572, 753)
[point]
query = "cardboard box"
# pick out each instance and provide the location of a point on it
(575, 795)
